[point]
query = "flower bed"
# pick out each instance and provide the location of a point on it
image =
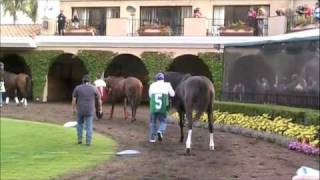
(308, 136)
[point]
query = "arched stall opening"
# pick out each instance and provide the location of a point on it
(65, 73)
(249, 70)
(129, 65)
(190, 64)
(16, 64)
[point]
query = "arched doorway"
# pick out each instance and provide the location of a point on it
(16, 64)
(129, 65)
(64, 74)
(247, 70)
(190, 64)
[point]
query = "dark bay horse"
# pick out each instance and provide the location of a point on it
(127, 89)
(193, 93)
(17, 84)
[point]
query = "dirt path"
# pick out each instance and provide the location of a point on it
(235, 156)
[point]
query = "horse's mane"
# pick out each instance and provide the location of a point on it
(175, 78)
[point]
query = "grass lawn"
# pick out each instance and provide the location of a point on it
(31, 150)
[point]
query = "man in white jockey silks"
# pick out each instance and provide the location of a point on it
(101, 86)
(159, 92)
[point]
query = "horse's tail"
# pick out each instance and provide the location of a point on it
(200, 99)
(135, 94)
(28, 86)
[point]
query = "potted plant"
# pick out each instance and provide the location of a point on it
(238, 28)
(303, 22)
(154, 30)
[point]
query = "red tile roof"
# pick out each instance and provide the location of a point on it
(20, 30)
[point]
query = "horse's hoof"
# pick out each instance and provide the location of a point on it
(211, 148)
(188, 150)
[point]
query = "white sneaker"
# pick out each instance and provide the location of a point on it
(152, 140)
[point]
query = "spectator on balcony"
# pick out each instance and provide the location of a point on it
(307, 10)
(75, 21)
(280, 12)
(197, 13)
(61, 23)
(260, 21)
(251, 19)
(300, 10)
(316, 13)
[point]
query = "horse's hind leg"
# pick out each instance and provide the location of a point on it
(111, 111)
(181, 118)
(16, 97)
(188, 142)
(24, 102)
(133, 111)
(7, 100)
(210, 118)
(125, 108)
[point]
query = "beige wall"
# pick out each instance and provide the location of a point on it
(195, 27)
(206, 6)
(277, 25)
(117, 27)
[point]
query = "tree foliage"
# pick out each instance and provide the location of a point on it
(13, 7)
(29, 7)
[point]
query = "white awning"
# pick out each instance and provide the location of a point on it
(153, 41)
(18, 42)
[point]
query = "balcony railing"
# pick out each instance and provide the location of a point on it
(78, 28)
(143, 27)
(301, 22)
(214, 27)
(238, 28)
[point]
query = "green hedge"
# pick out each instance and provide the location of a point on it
(298, 115)
(39, 63)
(156, 62)
(96, 61)
(215, 65)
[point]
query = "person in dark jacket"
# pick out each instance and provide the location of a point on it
(61, 23)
